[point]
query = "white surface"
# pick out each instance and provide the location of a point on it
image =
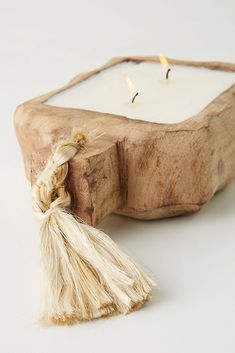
(43, 44)
(185, 93)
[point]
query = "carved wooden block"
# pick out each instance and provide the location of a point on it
(137, 168)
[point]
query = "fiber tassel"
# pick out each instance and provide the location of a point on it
(86, 275)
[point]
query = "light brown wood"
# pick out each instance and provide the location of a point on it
(137, 168)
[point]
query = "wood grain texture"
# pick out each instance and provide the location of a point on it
(137, 168)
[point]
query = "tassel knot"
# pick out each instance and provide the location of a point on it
(86, 275)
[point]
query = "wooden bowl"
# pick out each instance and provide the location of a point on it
(137, 168)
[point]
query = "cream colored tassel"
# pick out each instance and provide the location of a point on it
(86, 275)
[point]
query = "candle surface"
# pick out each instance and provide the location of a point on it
(187, 91)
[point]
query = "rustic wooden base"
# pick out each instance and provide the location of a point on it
(140, 169)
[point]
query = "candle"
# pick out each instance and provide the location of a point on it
(184, 94)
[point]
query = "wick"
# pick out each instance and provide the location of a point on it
(133, 99)
(167, 73)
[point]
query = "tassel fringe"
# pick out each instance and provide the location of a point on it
(86, 275)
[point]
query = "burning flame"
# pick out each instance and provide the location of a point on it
(164, 62)
(131, 86)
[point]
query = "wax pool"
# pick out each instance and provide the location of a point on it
(187, 91)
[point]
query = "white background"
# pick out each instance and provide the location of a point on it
(45, 43)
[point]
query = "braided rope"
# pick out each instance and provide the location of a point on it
(49, 191)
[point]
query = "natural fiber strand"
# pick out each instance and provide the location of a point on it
(86, 275)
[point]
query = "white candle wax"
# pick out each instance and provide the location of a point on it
(187, 91)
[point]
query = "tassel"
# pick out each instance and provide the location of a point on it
(86, 275)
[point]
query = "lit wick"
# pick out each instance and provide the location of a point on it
(133, 99)
(165, 65)
(132, 89)
(167, 73)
